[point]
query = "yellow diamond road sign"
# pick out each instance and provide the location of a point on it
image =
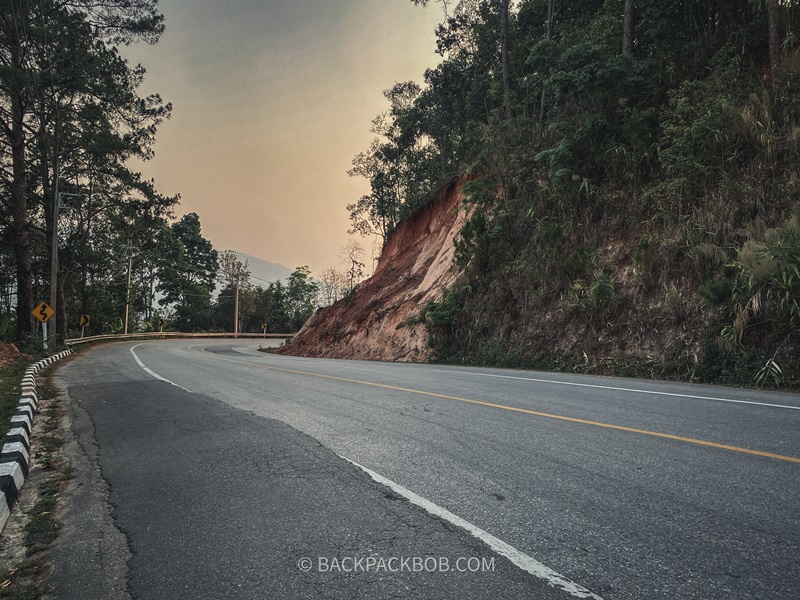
(43, 312)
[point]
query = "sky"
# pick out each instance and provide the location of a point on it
(272, 99)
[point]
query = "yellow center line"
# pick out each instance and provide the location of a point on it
(526, 411)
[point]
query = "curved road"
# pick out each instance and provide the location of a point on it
(226, 466)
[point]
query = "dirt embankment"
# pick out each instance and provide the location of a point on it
(377, 322)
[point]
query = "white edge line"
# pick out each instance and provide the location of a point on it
(519, 558)
(153, 373)
(619, 389)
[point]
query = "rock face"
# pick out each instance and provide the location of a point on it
(377, 322)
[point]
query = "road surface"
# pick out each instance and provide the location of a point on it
(235, 473)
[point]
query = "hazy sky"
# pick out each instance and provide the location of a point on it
(272, 100)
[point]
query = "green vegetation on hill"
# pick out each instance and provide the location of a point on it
(635, 199)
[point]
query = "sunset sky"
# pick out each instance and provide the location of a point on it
(272, 100)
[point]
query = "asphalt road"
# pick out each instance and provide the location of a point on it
(223, 477)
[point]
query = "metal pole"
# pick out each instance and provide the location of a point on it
(128, 291)
(54, 253)
(236, 308)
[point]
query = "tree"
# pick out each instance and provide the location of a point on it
(276, 303)
(627, 28)
(353, 256)
(301, 295)
(551, 18)
(466, 7)
(505, 59)
(236, 275)
(396, 165)
(332, 285)
(232, 270)
(63, 83)
(188, 272)
(774, 42)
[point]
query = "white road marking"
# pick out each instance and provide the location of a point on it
(619, 389)
(519, 558)
(153, 373)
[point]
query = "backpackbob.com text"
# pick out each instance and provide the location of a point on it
(407, 564)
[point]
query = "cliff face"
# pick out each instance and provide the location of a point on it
(416, 266)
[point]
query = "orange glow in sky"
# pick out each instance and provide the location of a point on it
(272, 100)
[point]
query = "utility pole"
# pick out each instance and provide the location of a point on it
(129, 252)
(54, 253)
(128, 290)
(236, 308)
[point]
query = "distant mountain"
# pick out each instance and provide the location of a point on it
(263, 272)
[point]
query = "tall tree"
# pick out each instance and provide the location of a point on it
(234, 274)
(188, 273)
(57, 58)
(627, 28)
(550, 32)
(505, 59)
(774, 42)
(16, 93)
(301, 296)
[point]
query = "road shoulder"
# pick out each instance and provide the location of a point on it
(90, 559)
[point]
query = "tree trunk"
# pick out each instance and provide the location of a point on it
(19, 191)
(551, 15)
(774, 42)
(54, 326)
(627, 29)
(505, 60)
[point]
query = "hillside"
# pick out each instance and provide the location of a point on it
(380, 319)
(633, 195)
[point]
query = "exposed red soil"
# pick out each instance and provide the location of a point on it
(8, 352)
(377, 322)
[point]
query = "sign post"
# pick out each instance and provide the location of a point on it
(161, 324)
(264, 329)
(84, 323)
(43, 312)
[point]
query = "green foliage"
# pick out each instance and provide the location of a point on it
(79, 106)
(663, 166)
(768, 283)
(494, 353)
(717, 364)
(301, 296)
(769, 373)
(187, 273)
(704, 139)
(442, 318)
(593, 298)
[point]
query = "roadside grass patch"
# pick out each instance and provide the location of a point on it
(42, 528)
(19, 582)
(25, 572)
(10, 388)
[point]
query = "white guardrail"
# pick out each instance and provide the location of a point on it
(157, 335)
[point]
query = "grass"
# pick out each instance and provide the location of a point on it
(10, 379)
(27, 579)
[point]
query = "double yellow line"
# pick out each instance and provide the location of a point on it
(526, 411)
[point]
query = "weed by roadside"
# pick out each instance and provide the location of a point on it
(32, 528)
(10, 387)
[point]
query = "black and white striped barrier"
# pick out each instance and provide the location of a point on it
(15, 457)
